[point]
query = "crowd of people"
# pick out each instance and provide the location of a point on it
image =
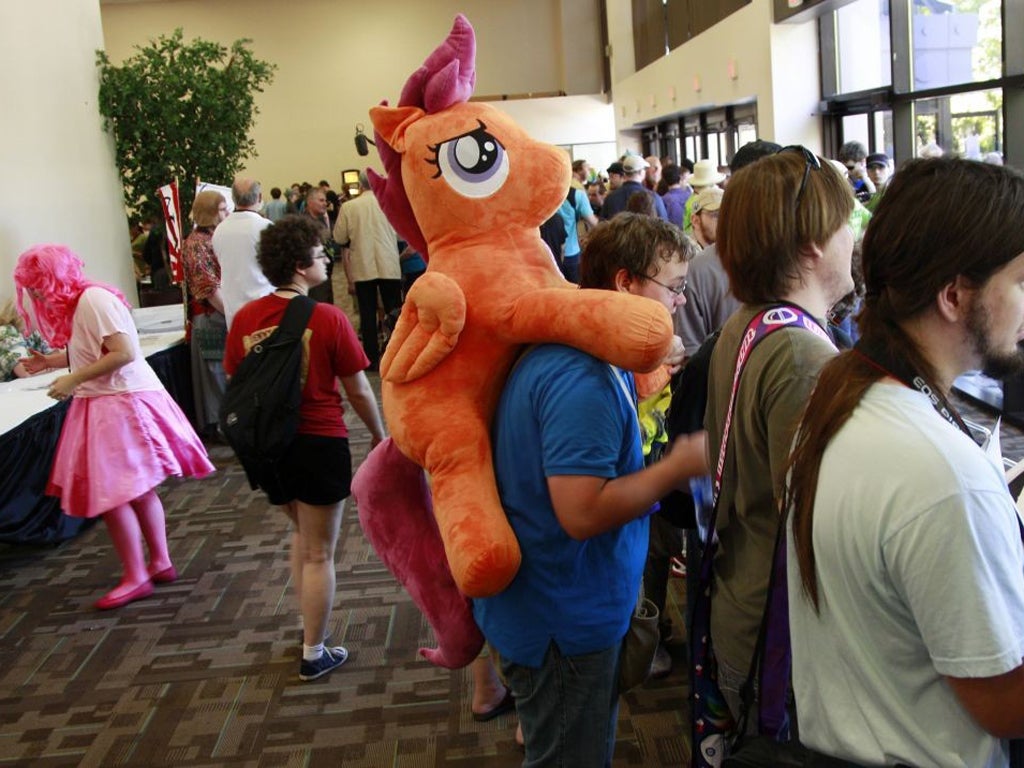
(825, 306)
(905, 591)
(240, 269)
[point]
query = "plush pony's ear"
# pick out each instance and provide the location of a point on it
(392, 122)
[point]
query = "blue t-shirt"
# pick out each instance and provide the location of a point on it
(571, 212)
(413, 265)
(618, 199)
(563, 413)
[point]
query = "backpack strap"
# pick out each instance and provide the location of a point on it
(296, 318)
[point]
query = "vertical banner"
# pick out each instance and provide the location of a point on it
(172, 219)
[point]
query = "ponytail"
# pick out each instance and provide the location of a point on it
(840, 388)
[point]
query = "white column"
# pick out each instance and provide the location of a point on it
(58, 179)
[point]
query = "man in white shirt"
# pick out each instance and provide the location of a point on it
(905, 560)
(234, 243)
(371, 262)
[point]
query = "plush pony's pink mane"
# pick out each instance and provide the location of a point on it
(447, 77)
(54, 273)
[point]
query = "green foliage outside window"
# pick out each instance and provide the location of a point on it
(180, 110)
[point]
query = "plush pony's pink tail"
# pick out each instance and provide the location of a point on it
(397, 516)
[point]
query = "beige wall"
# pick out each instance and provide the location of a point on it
(776, 65)
(337, 58)
(59, 180)
(564, 120)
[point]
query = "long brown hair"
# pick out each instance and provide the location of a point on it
(938, 219)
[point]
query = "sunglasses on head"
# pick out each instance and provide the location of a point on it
(811, 163)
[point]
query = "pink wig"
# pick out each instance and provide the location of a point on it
(52, 276)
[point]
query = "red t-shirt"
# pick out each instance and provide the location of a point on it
(330, 350)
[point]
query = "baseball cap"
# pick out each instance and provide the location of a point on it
(709, 199)
(634, 164)
(616, 167)
(751, 152)
(877, 158)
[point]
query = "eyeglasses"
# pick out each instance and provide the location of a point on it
(675, 290)
(812, 163)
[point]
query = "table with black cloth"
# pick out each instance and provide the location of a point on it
(30, 426)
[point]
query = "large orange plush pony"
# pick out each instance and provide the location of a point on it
(469, 189)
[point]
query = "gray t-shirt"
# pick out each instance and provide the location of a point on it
(709, 300)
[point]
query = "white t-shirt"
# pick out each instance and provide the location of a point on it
(235, 241)
(921, 574)
(101, 314)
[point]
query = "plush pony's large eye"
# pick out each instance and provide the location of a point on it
(474, 164)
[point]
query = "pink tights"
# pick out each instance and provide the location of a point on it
(128, 524)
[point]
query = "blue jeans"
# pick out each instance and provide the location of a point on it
(568, 708)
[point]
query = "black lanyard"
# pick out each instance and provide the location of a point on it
(902, 371)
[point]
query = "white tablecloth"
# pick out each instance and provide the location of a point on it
(159, 328)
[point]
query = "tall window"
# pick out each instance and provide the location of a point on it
(913, 77)
(714, 135)
(967, 124)
(955, 42)
(864, 53)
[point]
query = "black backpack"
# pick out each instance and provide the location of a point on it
(686, 416)
(259, 415)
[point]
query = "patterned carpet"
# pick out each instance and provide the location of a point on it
(204, 672)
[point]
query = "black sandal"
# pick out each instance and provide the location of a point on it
(506, 704)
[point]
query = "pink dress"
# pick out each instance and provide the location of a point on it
(123, 434)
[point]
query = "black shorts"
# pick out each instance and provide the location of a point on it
(316, 470)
